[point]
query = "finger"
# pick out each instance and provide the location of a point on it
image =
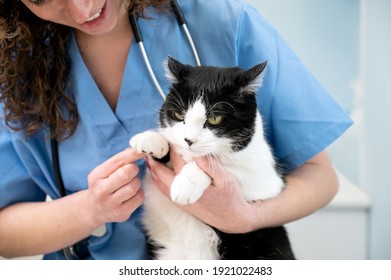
(213, 168)
(165, 190)
(120, 177)
(161, 175)
(127, 191)
(129, 206)
(176, 161)
(108, 167)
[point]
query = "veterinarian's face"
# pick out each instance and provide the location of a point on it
(93, 17)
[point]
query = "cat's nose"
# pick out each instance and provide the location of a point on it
(189, 141)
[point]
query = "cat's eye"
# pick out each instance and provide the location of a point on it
(178, 116)
(215, 120)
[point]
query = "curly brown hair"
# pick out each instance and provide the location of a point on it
(34, 70)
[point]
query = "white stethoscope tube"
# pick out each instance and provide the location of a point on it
(192, 45)
(137, 35)
(150, 70)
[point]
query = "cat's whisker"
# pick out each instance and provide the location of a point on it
(205, 99)
(177, 99)
(212, 109)
(213, 161)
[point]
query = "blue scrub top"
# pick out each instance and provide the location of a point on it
(300, 117)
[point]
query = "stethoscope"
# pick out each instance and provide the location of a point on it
(80, 250)
(137, 35)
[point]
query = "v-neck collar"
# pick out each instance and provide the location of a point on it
(137, 93)
(88, 94)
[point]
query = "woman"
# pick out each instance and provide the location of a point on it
(70, 70)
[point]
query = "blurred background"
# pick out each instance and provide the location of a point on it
(347, 46)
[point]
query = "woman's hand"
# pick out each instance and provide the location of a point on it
(114, 193)
(114, 189)
(221, 205)
(309, 187)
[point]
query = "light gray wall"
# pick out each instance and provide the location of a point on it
(375, 167)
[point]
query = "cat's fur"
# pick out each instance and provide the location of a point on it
(190, 121)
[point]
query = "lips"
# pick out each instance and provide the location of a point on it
(95, 19)
(94, 16)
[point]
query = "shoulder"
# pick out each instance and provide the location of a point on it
(226, 13)
(219, 26)
(213, 14)
(212, 7)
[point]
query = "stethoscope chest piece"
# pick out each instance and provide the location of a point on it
(100, 231)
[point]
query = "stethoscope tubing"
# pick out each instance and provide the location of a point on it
(139, 39)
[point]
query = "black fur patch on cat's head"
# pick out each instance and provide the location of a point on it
(228, 91)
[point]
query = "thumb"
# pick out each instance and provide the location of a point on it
(212, 167)
(176, 161)
(162, 176)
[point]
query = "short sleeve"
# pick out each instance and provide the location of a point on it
(301, 119)
(15, 183)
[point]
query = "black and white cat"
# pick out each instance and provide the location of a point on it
(210, 111)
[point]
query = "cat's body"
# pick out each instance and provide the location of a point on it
(211, 112)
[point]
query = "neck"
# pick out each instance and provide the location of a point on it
(105, 57)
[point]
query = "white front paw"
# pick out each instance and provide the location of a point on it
(189, 184)
(151, 143)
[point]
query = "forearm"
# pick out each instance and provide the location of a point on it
(43, 227)
(114, 193)
(309, 188)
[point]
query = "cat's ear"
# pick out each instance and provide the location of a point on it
(176, 71)
(251, 80)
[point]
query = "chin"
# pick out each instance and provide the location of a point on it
(189, 154)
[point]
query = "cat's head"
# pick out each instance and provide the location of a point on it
(210, 110)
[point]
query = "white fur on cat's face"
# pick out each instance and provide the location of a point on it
(193, 129)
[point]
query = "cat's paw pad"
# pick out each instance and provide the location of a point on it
(151, 143)
(189, 185)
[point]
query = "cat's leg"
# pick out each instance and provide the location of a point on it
(191, 239)
(151, 143)
(189, 184)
